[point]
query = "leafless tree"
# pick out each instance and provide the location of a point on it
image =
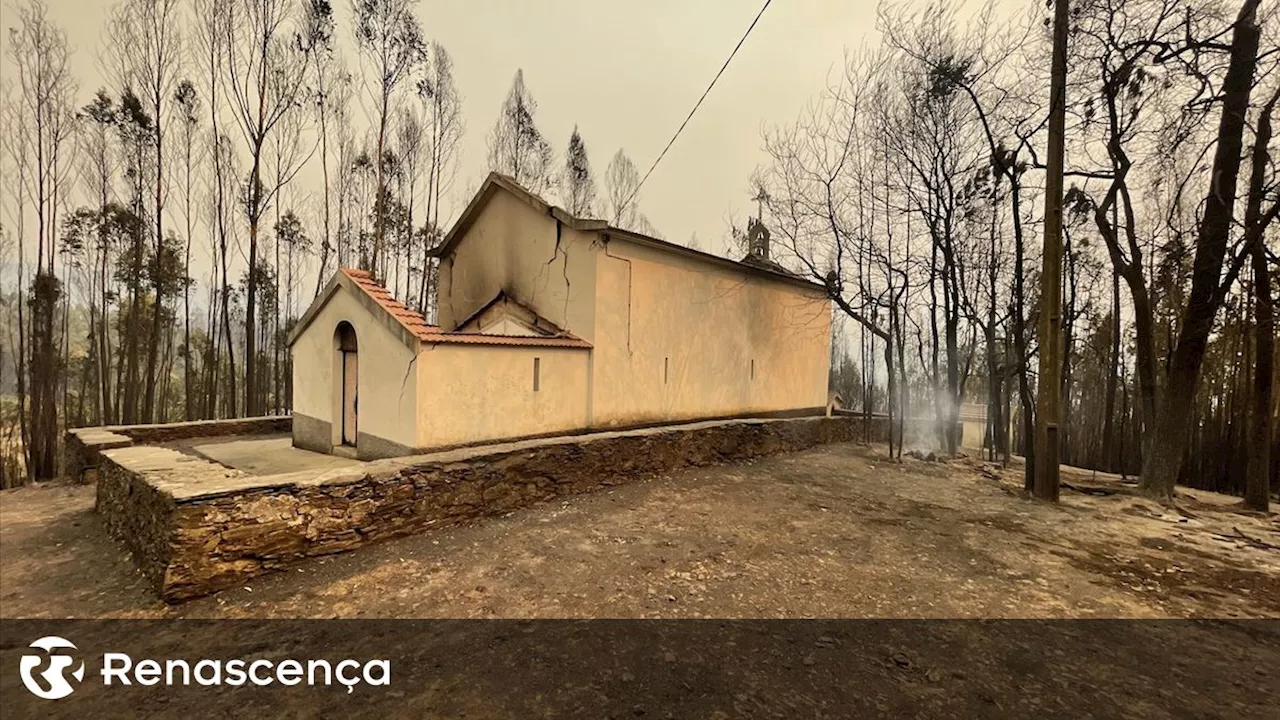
(393, 50)
(443, 109)
(815, 194)
(1130, 48)
(1259, 214)
(45, 120)
(984, 62)
(189, 111)
(146, 48)
(578, 185)
(621, 181)
(517, 147)
(330, 94)
(409, 140)
(267, 57)
(288, 151)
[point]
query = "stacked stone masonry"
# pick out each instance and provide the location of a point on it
(195, 527)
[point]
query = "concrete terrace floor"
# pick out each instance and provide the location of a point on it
(263, 455)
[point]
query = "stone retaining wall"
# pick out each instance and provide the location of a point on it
(82, 447)
(168, 432)
(138, 515)
(193, 537)
(136, 499)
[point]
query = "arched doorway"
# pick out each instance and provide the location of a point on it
(348, 385)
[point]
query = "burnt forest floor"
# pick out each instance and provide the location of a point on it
(833, 532)
(837, 531)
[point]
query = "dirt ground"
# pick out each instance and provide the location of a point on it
(834, 532)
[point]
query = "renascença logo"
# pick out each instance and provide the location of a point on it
(121, 669)
(55, 676)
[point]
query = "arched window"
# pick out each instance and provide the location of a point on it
(346, 336)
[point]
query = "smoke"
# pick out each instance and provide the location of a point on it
(921, 427)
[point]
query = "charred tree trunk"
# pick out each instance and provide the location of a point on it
(1108, 419)
(1169, 429)
(251, 290)
(44, 374)
(1020, 351)
(1260, 438)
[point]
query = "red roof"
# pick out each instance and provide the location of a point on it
(485, 339)
(418, 327)
(412, 321)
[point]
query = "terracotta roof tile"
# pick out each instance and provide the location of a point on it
(418, 327)
(412, 321)
(566, 340)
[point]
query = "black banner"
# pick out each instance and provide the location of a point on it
(640, 668)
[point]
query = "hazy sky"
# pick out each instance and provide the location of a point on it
(625, 72)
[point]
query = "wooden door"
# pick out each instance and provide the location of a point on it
(350, 396)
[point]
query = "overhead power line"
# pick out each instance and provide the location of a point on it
(699, 103)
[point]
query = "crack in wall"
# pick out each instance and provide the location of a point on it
(628, 262)
(565, 271)
(556, 252)
(407, 370)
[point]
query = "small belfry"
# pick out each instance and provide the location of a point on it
(759, 251)
(757, 233)
(757, 239)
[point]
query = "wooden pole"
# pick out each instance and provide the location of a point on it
(1049, 385)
